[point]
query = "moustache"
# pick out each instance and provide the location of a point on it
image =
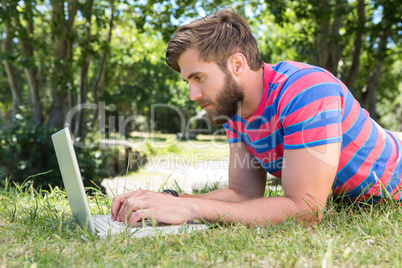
(202, 102)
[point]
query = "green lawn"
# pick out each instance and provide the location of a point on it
(37, 229)
(207, 147)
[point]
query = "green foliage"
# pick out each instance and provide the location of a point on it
(390, 103)
(158, 15)
(5, 97)
(136, 76)
(26, 152)
(297, 30)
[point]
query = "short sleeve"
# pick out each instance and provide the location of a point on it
(231, 134)
(310, 109)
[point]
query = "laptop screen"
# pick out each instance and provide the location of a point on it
(70, 172)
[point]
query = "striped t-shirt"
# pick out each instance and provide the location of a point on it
(304, 106)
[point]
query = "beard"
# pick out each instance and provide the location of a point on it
(228, 102)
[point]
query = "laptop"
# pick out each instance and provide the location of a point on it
(101, 225)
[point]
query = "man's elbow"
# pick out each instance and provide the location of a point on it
(310, 217)
(306, 214)
(242, 196)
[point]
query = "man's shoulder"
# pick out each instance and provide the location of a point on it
(288, 68)
(288, 73)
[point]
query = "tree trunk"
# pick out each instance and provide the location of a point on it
(95, 88)
(83, 89)
(57, 108)
(11, 75)
(354, 68)
(61, 76)
(82, 98)
(30, 71)
(102, 63)
(71, 93)
(71, 103)
(369, 94)
(335, 43)
(322, 33)
(328, 41)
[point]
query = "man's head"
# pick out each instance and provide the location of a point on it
(215, 56)
(215, 90)
(216, 37)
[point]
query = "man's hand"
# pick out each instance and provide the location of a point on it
(135, 206)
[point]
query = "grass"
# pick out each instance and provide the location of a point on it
(208, 147)
(37, 229)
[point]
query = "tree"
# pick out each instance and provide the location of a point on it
(384, 36)
(86, 51)
(57, 54)
(357, 46)
(14, 28)
(343, 28)
(30, 69)
(61, 77)
(11, 72)
(63, 47)
(102, 62)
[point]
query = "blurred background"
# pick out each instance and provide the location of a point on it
(58, 54)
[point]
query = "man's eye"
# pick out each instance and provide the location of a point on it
(197, 78)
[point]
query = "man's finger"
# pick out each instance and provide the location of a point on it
(125, 211)
(137, 216)
(115, 207)
(117, 202)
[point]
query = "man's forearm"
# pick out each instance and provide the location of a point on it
(222, 195)
(253, 212)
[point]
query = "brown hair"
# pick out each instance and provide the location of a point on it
(217, 37)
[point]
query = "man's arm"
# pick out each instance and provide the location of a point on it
(307, 177)
(247, 178)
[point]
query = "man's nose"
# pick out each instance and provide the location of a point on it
(195, 92)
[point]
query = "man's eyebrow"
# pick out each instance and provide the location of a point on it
(191, 76)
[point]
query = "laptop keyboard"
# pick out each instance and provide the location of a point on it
(104, 223)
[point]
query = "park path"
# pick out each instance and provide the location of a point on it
(164, 173)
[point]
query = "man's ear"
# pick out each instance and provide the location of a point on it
(238, 62)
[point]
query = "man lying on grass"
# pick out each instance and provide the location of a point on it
(293, 120)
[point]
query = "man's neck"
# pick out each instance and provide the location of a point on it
(253, 89)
